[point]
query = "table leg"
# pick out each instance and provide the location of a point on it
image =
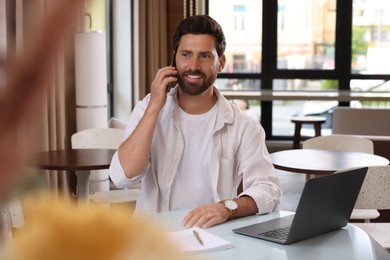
(82, 186)
(297, 135)
(317, 129)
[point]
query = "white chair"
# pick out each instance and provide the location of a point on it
(103, 138)
(375, 194)
(116, 123)
(340, 143)
(345, 143)
(12, 218)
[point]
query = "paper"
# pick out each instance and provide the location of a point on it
(188, 243)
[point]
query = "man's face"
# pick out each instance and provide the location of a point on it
(197, 63)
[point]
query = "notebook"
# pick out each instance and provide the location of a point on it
(189, 244)
(325, 205)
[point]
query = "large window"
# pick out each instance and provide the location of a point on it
(289, 58)
(239, 21)
(306, 34)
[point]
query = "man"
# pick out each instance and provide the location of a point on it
(190, 147)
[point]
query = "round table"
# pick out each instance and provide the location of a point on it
(80, 160)
(319, 162)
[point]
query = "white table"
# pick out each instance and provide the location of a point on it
(349, 242)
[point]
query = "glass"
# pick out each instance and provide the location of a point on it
(251, 107)
(306, 34)
(241, 21)
(238, 84)
(370, 37)
(281, 116)
(370, 85)
(305, 85)
(284, 110)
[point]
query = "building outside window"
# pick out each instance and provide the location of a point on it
(295, 47)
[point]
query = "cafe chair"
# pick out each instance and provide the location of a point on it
(375, 194)
(103, 192)
(12, 218)
(116, 123)
(345, 143)
(340, 143)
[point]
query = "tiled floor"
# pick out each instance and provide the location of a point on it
(292, 186)
(292, 183)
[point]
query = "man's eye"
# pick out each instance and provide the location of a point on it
(206, 56)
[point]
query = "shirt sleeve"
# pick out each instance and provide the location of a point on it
(118, 175)
(259, 178)
(116, 172)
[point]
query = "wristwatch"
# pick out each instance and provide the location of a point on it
(232, 206)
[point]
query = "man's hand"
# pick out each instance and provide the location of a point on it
(212, 214)
(158, 91)
(206, 216)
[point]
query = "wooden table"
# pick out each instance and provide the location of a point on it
(319, 162)
(80, 160)
(316, 121)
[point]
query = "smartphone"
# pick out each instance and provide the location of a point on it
(173, 64)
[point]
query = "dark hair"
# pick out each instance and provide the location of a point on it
(200, 24)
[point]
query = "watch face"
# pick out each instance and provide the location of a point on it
(231, 204)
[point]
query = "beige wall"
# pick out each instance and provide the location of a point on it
(97, 9)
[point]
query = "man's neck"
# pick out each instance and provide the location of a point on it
(198, 104)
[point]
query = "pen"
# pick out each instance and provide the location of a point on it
(196, 234)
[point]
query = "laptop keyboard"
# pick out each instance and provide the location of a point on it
(280, 233)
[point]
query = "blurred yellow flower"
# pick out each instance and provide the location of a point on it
(58, 229)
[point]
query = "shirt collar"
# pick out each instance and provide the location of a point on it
(225, 111)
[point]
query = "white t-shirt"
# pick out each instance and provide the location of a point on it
(195, 167)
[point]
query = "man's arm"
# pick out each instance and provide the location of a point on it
(212, 214)
(261, 194)
(134, 152)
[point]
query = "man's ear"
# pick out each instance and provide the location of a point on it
(222, 61)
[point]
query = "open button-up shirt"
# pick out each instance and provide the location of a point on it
(239, 150)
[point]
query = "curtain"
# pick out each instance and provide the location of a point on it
(56, 120)
(152, 42)
(149, 34)
(190, 7)
(34, 98)
(152, 36)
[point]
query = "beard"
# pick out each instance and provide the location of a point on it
(195, 89)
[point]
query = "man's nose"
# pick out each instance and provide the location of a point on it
(195, 64)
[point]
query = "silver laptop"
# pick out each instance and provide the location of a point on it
(325, 205)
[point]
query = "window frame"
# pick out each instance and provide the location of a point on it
(269, 71)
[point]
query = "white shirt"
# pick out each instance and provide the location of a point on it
(239, 153)
(195, 167)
